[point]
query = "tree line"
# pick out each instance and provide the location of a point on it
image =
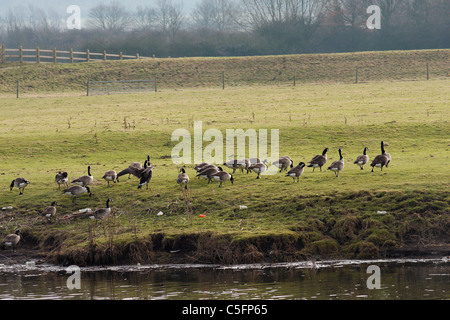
(234, 27)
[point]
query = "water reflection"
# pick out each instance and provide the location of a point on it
(336, 281)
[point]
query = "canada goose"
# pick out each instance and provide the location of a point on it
(19, 183)
(145, 177)
(84, 180)
(296, 172)
(208, 172)
(363, 159)
(337, 166)
(110, 176)
(62, 178)
(259, 168)
(11, 240)
(222, 176)
(284, 163)
(183, 178)
(102, 213)
(319, 160)
(381, 160)
(76, 191)
(134, 169)
(50, 211)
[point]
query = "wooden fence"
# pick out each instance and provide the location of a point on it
(38, 55)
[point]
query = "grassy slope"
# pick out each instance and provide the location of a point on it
(321, 215)
(207, 72)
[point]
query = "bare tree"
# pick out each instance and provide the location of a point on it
(260, 12)
(146, 17)
(170, 17)
(351, 13)
(113, 17)
(216, 14)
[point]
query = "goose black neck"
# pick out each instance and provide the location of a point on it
(382, 147)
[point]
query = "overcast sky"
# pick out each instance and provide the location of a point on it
(60, 6)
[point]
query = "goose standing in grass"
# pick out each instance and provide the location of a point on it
(11, 240)
(319, 160)
(337, 166)
(381, 160)
(363, 159)
(50, 211)
(102, 213)
(62, 178)
(284, 163)
(76, 191)
(296, 172)
(259, 168)
(183, 178)
(110, 176)
(20, 183)
(222, 176)
(146, 176)
(134, 169)
(84, 180)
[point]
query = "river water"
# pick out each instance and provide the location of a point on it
(413, 279)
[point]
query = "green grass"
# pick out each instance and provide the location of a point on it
(320, 215)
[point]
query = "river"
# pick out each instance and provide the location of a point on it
(403, 279)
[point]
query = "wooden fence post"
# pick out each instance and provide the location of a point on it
(87, 88)
(38, 55)
(87, 55)
(54, 56)
(20, 55)
(104, 55)
(137, 56)
(3, 57)
(17, 90)
(71, 55)
(121, 56)
(223, 80)
(295, 77)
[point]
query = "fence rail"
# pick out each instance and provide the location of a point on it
(123, 86)
(38, 55)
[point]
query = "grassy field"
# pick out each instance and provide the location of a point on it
(320, 216)
(239, 71)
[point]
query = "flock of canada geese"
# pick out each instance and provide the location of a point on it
(206, 171)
